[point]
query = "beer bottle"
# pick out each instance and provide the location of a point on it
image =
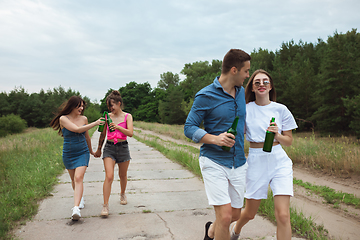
(101, 127)
(269, 138)
(108, 123)
(232, 130)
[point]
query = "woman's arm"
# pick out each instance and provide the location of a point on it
(101, 142)
(130, 127)
(66, 123)
(88, 140)
(285, 138)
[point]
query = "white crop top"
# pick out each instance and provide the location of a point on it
(258, 120)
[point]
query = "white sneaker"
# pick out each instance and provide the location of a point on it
(82, 203)
(76, 213)
(233, 235)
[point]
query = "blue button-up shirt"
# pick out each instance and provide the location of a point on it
(218, 109)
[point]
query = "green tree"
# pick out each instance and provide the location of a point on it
(168, 79)
(170, 111)
(262, 59)
(352, 106)
(338, 79)
(197, 76)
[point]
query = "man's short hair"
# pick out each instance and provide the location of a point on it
(234, 58)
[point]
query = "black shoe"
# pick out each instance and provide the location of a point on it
(207, 226)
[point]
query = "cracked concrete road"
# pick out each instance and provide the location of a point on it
(165, 202)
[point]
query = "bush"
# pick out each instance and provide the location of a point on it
(11, 124)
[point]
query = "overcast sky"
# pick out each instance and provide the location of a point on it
(92, 46)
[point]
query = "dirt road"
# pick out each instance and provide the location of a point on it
(342, 222)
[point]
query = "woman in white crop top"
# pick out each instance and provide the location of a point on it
(274, 168)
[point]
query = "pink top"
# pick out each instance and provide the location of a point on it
(117, 134)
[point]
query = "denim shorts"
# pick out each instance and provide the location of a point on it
(118, 152)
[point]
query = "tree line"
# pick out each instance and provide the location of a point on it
(36, 109)
(319, 82)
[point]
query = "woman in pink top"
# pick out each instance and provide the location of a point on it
(116, 149)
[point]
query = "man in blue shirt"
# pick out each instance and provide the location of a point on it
(223, 172)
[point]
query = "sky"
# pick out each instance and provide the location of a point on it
(92, 46)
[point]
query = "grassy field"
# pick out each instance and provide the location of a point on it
(29, 165)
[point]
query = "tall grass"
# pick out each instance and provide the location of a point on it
(174, 131)
(29, 164)
(336, 155)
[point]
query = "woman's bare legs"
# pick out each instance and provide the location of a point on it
(109, 165)
(77, 178)
(282, 215)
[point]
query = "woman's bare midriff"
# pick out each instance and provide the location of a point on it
(119, 140)
(260, 144)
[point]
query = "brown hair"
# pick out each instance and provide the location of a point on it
(250, 95)
(116, 96)
(65, 109)
(234, 58)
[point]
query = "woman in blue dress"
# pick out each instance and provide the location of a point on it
(73, 126)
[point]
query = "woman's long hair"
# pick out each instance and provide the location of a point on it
(65, 109)
(250, 95)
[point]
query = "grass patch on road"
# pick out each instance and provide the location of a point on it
(330, 195)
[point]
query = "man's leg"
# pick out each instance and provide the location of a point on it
(223, 215)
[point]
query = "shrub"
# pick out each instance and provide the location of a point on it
(11, 124)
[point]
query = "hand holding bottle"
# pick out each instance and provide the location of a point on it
(269, 136)
(273, 127)
(231, 131)
(112, 126)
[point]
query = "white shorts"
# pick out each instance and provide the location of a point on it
(223, 185)
(264, 168)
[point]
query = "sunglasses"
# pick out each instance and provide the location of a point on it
(265, 82)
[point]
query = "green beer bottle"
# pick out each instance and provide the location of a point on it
(233, 131)
(108, 122)
(101, 127)
(269, 138)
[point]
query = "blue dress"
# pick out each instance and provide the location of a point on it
(75, 149)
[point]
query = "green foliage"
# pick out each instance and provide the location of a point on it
(262, 59)
(338, 79)
(170, 111)
(11, 124)
(168, 79)
(352, 106)
(37, 109)
(29, 164)
(92, 112)
(198, 75)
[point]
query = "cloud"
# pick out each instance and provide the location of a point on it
(92, 46)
